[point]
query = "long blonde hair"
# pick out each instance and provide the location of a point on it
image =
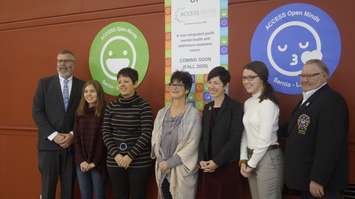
(100, 104)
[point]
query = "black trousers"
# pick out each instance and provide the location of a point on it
(328, 195)
(54, 165)
(129, 183)
(165, 189)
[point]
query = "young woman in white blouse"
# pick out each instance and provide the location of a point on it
(260, 154)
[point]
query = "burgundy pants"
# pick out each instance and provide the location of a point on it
(224, 183)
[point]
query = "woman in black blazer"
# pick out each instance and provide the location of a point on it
(220, 141)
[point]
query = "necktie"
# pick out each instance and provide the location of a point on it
(66, 94)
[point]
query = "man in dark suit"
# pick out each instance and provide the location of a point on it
(53, 110)
(316, 149)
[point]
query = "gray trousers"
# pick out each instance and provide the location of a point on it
(267, 180)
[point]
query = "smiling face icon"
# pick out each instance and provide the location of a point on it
(291, 45)
(118, 45)
(115, 64)
(117, 53)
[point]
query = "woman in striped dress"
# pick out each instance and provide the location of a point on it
(127, 130)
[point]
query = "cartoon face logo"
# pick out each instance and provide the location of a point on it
(117, 53)
(288, 37)
(292, 44)
(117, 45)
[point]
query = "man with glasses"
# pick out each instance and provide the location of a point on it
(53, 110)
(316, 149)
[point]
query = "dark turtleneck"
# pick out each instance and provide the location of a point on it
(128, 121)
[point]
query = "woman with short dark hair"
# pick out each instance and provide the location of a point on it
(127, 129)
(175, 139)
(220, 141)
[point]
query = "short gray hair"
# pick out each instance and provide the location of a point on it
(66, 51)
(321, 65)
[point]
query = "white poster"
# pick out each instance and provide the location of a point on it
(196, 40)
(195, 35)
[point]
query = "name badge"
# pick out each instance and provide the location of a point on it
(303, 122)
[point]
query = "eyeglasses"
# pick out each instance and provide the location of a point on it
(309, 75)
(65, 60)
(249, 78)
(176, 85)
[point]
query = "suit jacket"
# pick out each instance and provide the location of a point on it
(316, 148)
(48, 110)
(226, 133)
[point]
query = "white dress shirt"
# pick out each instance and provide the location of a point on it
(308, 94)
(70, 83)
(260, 128)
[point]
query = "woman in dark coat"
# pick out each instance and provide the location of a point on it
(220, 142)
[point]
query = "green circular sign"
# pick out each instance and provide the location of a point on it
(116, 46)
